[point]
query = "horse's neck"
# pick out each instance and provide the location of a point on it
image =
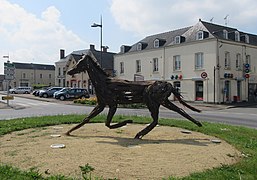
(97, 76)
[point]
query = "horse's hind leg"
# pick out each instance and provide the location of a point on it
(154, 109)
(95, 112)
(111, 112)
(175, 108)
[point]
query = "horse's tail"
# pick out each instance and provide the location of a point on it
(179, 97)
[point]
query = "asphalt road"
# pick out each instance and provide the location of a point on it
(24, 107)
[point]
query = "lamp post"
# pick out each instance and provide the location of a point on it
(101, 37)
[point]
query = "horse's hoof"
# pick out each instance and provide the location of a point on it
(138, 137)
(199, 124)
(67, 134)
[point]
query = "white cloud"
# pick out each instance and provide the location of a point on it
(146, 17)
(27, 38)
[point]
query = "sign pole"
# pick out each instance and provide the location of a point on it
(9, 75)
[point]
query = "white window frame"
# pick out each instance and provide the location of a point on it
(122, 49)
(176, 63)
(139, 46)
(225, 34)
(227, 60)
(155, 65)
(177, 40)
(238, 61)
(199, 35)
(199, 60)
(237, 36)
(156, 43)
(247, 40)
(138, 66)
(121, 67)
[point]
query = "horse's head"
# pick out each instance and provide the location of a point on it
(86, 63)
(80, 66)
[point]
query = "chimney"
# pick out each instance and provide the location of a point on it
(105, 48)
(62, 53)
(92, 47)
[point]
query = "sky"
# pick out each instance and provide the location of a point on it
(34, 31)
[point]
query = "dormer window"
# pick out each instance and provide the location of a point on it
(156, 43)
(247, 39)
(237, 36)
(177, 40)
(225, 34)
(122, 49)
(139, 46)
(199, 35)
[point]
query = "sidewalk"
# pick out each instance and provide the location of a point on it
(200, 105)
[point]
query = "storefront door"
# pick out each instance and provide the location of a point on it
(199, 90)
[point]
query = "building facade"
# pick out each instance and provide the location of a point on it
(82, 80)
(30, 74)
(205, 62)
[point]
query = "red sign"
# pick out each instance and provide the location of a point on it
(204, 75)
(247, 75)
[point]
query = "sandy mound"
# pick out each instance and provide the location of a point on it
(165, 151)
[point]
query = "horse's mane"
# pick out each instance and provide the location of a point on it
(94, 62)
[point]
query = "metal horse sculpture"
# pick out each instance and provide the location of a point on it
(111, 92)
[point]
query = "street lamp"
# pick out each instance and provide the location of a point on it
(101, 36)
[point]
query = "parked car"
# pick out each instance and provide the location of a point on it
(21, 90)
(49, 92)
(36, 91)
(73, 93)
(61, 91)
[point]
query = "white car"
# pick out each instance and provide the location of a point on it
(21, 90)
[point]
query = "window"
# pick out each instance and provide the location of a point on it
(121, 67)
(139, 46)
(156, 43)
(238, 61)
(138, 66)
(199, 60)
(246, 38)
(155, 65)
(237, 36)
(199, 35)
(24, 75)
(225, 34)
(176, 63)
(177, 40)
(41, 76)
(50, 76)
(227, 60)
(59, 71)
(122, 49)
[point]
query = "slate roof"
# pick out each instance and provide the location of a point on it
(168, 37)
(189, 33)
(217, 31)
(33, 66)
(107, 57)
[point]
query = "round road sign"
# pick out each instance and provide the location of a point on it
(204, 75)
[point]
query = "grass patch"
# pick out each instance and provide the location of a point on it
(244, 139)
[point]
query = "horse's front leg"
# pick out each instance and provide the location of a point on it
(154, 109)
(112, 110)
(95, 112)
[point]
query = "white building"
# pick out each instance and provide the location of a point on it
(82, 80)
(206, 62)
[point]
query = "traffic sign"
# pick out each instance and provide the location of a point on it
(7, 97)
(204, 75)
(9, 70)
